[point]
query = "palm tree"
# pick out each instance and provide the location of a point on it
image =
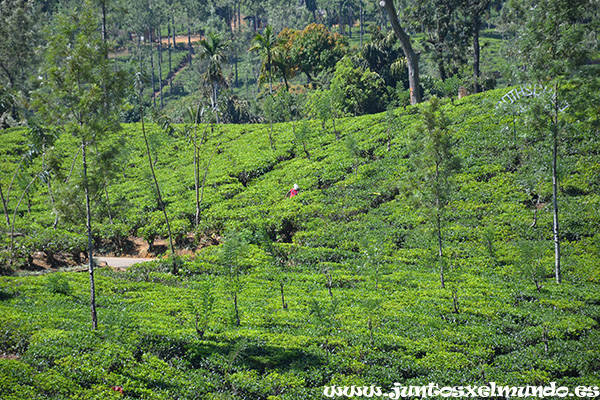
(213, 50)
(265, 44)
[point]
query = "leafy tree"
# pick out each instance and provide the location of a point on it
(40, 142)
(311, 5)
(19, 39)
(283, 59)
(269, 111)
(412, 57)
(194, 115)
(323, 106)
(435, 164)
(436, 20)
(316, 49)
(139, 85)
(203, 308)
(373, 252)
(362, 91)
(532, 253)
(353, 150)
(82, 94)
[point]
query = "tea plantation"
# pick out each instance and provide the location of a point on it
(339, 285)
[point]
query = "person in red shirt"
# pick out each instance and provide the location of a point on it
(293, 191)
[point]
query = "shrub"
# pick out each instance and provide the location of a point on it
(58, 283)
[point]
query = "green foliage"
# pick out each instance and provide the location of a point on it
(532, 261)
(203, 308)
(58, 283)
(349, 232)
(315, 49)
(360, 91)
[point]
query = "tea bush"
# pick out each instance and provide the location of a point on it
(337, 285)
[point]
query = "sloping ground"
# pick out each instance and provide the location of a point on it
(336, 286)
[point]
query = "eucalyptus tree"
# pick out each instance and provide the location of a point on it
(412, 57)
(81, 92)
(212, 49)
(474, 10)
(436, 20)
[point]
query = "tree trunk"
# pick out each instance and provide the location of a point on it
(237, 312)
(237, 84)
(104, 31)
(12, 227)
(438, 220)
(305, 150)
(215, 88)
(173, 25)
(12, 181)
(239, 15)
(170, 65)
(206, 172)
(189, 42)
(196, 173)
(4, 206)
(108, 204)
(350, 22)
(55, 224)
(439, 55)
(152, 69)
(160, 80)
(361, 23)
(139, 47)
(271, 132)
(476, 56)
(283, 303)
(556, 230)
(412, 58)
(440, 250)
(160, 201)
(88, 223)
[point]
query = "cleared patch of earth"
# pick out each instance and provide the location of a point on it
(131, 251)
(120, 262)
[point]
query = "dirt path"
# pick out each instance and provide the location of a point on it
(120, 262)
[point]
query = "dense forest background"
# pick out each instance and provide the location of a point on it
(248, 49)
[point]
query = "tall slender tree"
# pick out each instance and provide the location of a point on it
(82, 94)
(555, 48)
(435, 164)
(474, 10)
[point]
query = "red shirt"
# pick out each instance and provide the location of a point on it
(292, 193)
